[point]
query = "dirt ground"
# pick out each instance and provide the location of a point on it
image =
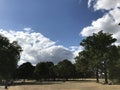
(69, 85)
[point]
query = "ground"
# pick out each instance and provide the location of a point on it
(69, 85)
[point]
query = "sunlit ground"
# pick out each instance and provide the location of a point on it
(69, 85)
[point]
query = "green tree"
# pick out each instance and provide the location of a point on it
(9, 56)
(114, 65)
(55, 72)
(25, 71)
(66, 69)
(99, 44)
(42, 70)
(83, 66)
(51, 73)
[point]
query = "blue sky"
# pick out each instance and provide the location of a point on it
(59, 20)
(51, 30)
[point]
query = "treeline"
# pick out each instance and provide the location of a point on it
(100, 58)
(64, 70)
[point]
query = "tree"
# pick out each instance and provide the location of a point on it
(51, 73)
(66, 69)
(55, 72)
(114, 55)
(9, 56)
(42, 70)
(99, 44)
(25, 71)
(83, 66)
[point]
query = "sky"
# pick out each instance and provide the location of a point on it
(51, 30)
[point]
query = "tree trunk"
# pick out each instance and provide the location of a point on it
(24, 80)
(6, 84)
(106, 76)
(97, 76)
(54, 79)
(105, 72)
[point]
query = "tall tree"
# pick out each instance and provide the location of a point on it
(83, 66)
(114, 65)
(9, 56)
(99, 44)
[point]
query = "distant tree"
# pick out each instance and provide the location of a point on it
(55, 71)
(66, 69)
(99, 44)
(42, 70)
(49, 64)
(25, 71)
(51, 73)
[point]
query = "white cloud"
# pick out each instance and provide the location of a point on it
(75, 50)
(109, 21)
(27, 29)
(104, 4)
(105, 23)
(37, 47)
(90, 2)
(115, 13)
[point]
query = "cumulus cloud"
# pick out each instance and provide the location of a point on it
(105, 23)
(36, 47)
(108, 22)
(104, 4)
(76, 49)
(90, 2)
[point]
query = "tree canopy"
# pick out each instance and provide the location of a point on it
(98, 47)
(24, 71)
(66, 69)
(9, 56)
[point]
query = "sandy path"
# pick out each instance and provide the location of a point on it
(67, 86)
(2, 88)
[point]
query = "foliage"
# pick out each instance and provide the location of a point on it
(66, 69)
(25, 71)
(83, 65)
(114, 65)
(98, 46)
(43, 70)
(9, 56)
